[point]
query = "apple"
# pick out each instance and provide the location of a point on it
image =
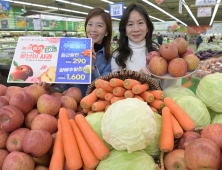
(12, 90)
(22, 72)
(75, 93)
(18, 161)
(11, 118)
(3, 155)
(45, 122)
(151, 55)
(37, 142)
(188, 51)
(49, 75)
(30, 116)
(177, 67)
(68, 102)
(23, 101)
(15, 140)
(48, 91)
(71, 114)
(158, 66)
(24, 88)
(57, 95)
(188, 78)
(192, 62)
(53, 142)
(169, 51)
(2, 90)
(3, 101)
(3, 138)
(181, 45)
(175, 160)
(43, 160)
(187, 138)
(40, 167)
(202, 154)
(35, 91)
(48, 104)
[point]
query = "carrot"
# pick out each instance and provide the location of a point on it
(58, 157)
(130, 83)
(182, 117)
(99, 106)
(88, 157)
(101, 93)
(90, 112)
(188, 84)
(107, 107)
(98, 83)
(148, 97)
(158, 94)
(106, 86)
(158, 104)
(115, 99)
(153, 109)
(177, 129)
(114, 82)
(86, 168)
(86, 110)
(109, 96)
(119, 91)
(71, 150)
(166, 143)
(101, 100)
(87, 101)
(137, 89)
(129, 94)
(99, 148)
(138, 97)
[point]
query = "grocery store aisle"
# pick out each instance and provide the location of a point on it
(193, 47)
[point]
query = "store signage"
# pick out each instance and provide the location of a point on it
(53, 60)
(180, 7)
(204, 12)
(116, 9)
(37, 25)
(205, 2)
(159, 1)
(4, 8)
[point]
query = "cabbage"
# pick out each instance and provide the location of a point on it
(209, 91)
(95, 121)
(175, 92)
(196, 109)
(213, 113)
(217, 119)
(121, 160)
(153, 148)
(129, 124)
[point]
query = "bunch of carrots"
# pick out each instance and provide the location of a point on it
(109, 92)
(77, 143)
(174, 121)
(86, 53)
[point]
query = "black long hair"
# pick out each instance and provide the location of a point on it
(124, 52)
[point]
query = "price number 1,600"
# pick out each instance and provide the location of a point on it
(76, 77)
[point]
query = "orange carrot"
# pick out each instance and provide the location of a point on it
(137, 89)
(98, 83)
(119, 91)
(158, 104)
(177, 129)
(86, 168)
(101, 93)
(99, 148)
(106, 86)
(99, 106)
(166, 143)
(90, 112)
(71, 150)
(87, 101)
(187, 84)
(153, 109)
(128, 94)
(109, 96)
(114, 82)
(115, 99)
(182, 117)
(101, 100)
(88, 157)
(158, 94)
(107, 107)
(130, 83)
(148, 97)
(58, 157)
(138, 97)
(86, 110)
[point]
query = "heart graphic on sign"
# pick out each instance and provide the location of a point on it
(159, 1)
(37, 48)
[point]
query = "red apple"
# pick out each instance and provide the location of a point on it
(15, 140)
(68, 102)
(11, 118)
(181, 45)
(187, 138)
(169, 51)
(12, 90)
(2, 90)
(22, 72)
(48, 91)
(75, 93)
(3, 138)
(43, 160)
(40, 167)
(53, 142)
(18, 161)
(188, 51)
(57, 95)
(202, 154)
(192, 62)
(3, 101)
(3, 155)
(177, 67)
(151, 55)
(30, 116)
(71, 114)
(175, 160)
(35, 91)
(158, 66)
(37, 142)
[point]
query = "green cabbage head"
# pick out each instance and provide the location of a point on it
(122, 160)
(209, 91)
(213, 113)
(217, 119)
(129, 124)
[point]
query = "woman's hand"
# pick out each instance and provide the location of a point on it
(144, 72)
(93, 58)
(44, 84)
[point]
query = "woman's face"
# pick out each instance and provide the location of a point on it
(136, 27)
(96, 29)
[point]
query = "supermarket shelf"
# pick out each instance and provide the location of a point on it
(7, 42)
(7, 48)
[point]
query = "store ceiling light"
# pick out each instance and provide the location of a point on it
(108, 1)
(86, 6)
(19, 2)
(63, 9)
(52, 7)
(156, 18)
(215, 11)
(43, 6)
(76, 4)
(116, 19)
(67, 2)
(151, 4)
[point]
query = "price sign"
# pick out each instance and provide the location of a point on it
(116, 10)
(204, 12)
(205, 2)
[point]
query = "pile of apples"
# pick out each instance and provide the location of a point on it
(175, 58)
(28, 124)
(197, 152)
